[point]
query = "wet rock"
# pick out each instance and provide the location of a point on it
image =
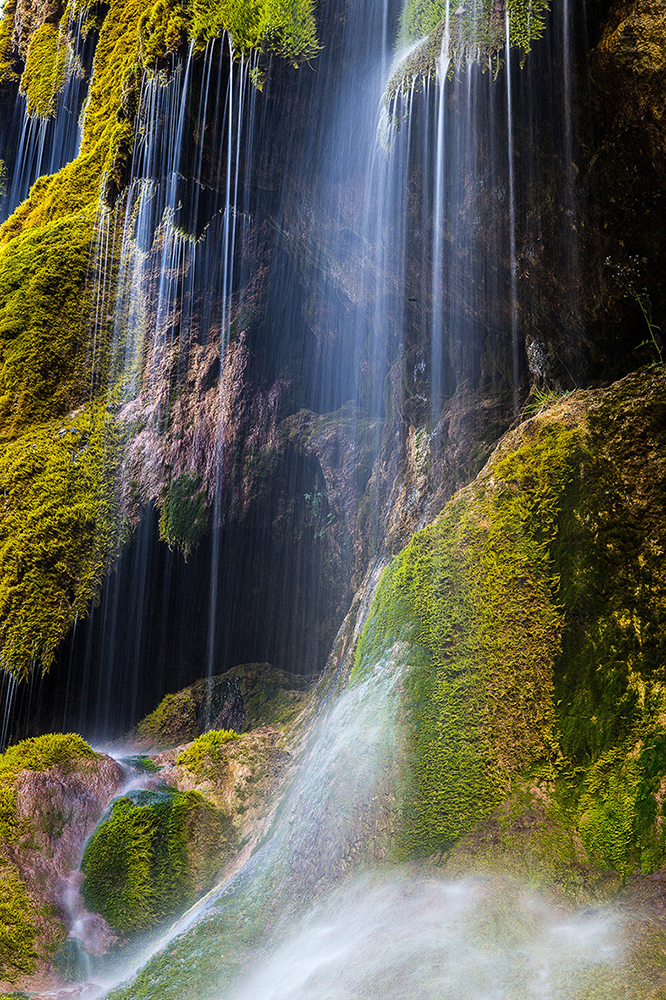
(245, 696)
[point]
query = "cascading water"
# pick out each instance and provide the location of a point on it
(412, 232)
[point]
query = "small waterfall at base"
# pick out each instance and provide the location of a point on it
(318, 910)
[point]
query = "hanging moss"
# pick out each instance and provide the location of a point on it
(152, 857)
(45, 70)
(184, 517)
(476, 32)
(284, 27)
(58, 524)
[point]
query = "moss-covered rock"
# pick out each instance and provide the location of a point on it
(53, 791)
(536, 602)
(153, 856)
(246, 696)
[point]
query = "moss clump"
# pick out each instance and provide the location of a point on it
(535, 605)
(57, 525)
(42, 752)
(183, 716)
(207, 755)
(18, 928)
(475, 32)
(185, 513)
(152, 857)
(45, 70)
(286, 28)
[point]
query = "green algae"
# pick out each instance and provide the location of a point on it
(152, 857)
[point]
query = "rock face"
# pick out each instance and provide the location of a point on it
(536, 603)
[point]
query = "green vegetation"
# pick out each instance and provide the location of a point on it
(536, 611)
(68, 751)
(475, 31)
(45, 70)
(183, 716)
(57, 525)
(25, 932)
(206, 757)
(18, 929)
(152, 857)
(477, 591)
(184, 517)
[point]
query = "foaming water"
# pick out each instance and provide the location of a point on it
(392, 936)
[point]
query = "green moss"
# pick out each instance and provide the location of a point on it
(206, 757)
(18, 929)
(42, 752)
(183, 716)
(58, 522)
(45, 70)
(67, 751)
(184, 517)
(44, 301)
(610, 561)
(536, 609)
(57, 525)
(152, 857)
(476, 591)
(284, 27)
(476, 32)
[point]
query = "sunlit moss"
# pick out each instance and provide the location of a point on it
(479, 31)
(206, 756)
(45, 70)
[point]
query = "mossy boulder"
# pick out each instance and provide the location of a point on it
(53, 791)
(535, 608)
(246, 696)
(157, 851)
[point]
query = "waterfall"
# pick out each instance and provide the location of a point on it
(368, 263)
